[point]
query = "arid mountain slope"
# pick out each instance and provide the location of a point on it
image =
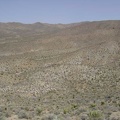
(101, 37)
(68, 71)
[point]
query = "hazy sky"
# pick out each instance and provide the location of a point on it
(58, 11)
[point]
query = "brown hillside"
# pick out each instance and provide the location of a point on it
(64, 71)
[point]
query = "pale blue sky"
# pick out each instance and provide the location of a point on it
(58, 11)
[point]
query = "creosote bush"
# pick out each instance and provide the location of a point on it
(38, 111)
(95, 115)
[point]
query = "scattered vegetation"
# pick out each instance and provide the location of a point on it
(96, 115)
(60, 72)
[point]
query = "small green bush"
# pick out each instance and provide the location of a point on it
(38, 111)
(22, 114)
(102, 103)
(49, 117)
(65, 111)
(95, 115)
(93, 105)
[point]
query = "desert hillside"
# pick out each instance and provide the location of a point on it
(60, 71)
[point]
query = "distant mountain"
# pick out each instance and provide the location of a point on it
(93, 36)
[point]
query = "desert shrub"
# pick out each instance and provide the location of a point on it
(93, 105)
(38, 111)
(65, 111)
(1, 73)
(84, 116)
(102, 103)
(26, 108)
(22, 114)
(74, 106)
(95, 115)
(49, 117)
(2, 117)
